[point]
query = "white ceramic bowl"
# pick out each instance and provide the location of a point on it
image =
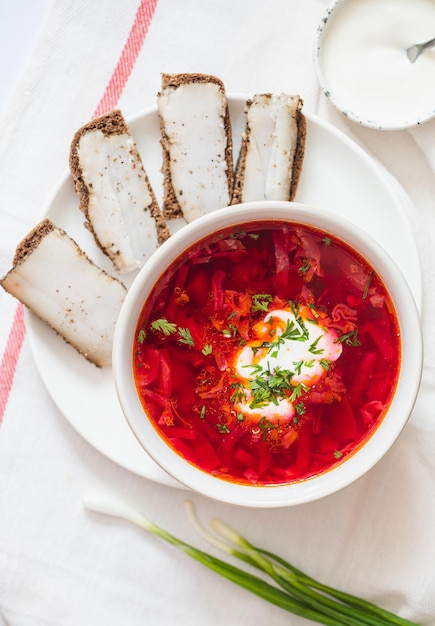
(362, 67)
(355, 465)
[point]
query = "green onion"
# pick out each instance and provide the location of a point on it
(290, 588)
(366, 290)
(350, 339)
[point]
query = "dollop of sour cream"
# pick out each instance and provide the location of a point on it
(362, 53)
(290, 351)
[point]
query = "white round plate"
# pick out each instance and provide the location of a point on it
(337, 175)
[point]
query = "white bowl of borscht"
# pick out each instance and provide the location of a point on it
(268, 354)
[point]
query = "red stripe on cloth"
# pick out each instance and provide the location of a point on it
(10, 357)
(128, 57)
(110, 97)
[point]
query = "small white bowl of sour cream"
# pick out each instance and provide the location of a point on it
(361, 62)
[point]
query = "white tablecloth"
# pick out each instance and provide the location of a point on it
(62, 566)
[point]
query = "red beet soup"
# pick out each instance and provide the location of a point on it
(267, 354)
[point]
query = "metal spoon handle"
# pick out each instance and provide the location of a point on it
(414, 51)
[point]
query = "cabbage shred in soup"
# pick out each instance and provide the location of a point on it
(268, 355)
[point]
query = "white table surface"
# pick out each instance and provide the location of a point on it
(20, 25)
(60, 566)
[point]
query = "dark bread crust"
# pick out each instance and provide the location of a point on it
(241, 163)
(299, 151)
(32, 240)
(298, 158)
(171, 207)
(112, 123)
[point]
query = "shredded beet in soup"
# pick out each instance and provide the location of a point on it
(267, 356)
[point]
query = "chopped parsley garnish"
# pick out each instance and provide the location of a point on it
(269, 386)
(313, 309)
(306, 264)
(300, 410)
(222, 428)
(141, 335)
(239, 393)
(294, 332)
(295, 307)
(298, 366)
(313, 346)
(350, 339)
(168, 328)
(185, 336)
(256, 367)
(279, 379)
(237, 234)
(260, 302)
(265, 426)
(233, 330)
(297, 391)
(162, 325)
(338, 454)
(207, 349)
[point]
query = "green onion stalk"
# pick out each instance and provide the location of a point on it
(289, 588)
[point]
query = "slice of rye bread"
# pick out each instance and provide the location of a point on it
(298, 157)
(171, 206)
(53, 277)
(112, 123)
